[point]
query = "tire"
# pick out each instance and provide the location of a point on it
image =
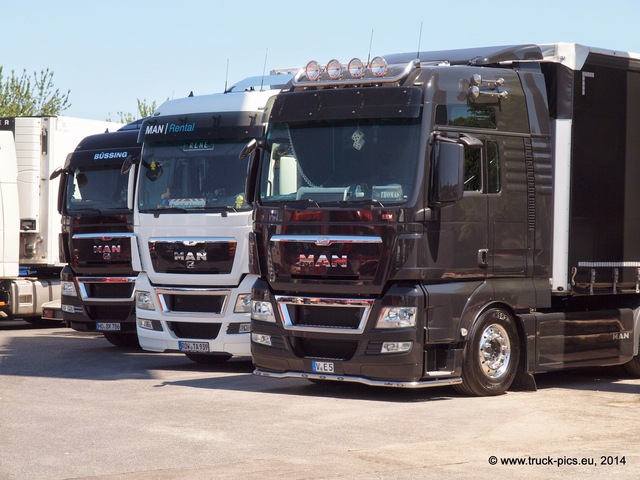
(208, 358)
(633, 366)
(491, 355)
(122, 339)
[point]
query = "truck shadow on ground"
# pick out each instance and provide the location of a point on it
(65, 353)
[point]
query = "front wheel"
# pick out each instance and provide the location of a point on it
(633, 366)
(490, 358)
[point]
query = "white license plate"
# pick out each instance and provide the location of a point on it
(199, 347)
(322, 367)
(108, 327)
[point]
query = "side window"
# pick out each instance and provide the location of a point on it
(481, 164)
(493, 167)
(472, 170)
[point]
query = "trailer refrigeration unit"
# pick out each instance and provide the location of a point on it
(97, 233)
(30, 149)
(469, 218)
(192, 223)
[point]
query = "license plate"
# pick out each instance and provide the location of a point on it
(199, 347)
(108, 327)
(322, 367)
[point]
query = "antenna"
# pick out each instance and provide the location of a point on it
(419, 40)
(370, 42)
(264, 67)
(226, 76)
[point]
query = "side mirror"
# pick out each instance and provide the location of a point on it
(126, 165)
(249, 148)
(448, 173)
(56, 173)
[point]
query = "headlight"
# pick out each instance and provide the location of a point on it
(68, 288)
(261, 310)
(144, 300)
(397, 317)
(243, 303)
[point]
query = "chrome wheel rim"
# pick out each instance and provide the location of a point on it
(495, 351)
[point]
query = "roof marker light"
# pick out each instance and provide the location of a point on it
(313, 70)
(334, 69)
(378, 67)
(356, 68)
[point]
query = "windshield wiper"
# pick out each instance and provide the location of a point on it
(77, 210)
(303, 202)
(369, 201)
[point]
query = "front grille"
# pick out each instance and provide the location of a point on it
(317, 316)
(211, 304)
(109, 290)
(341, 315)
(330, 349)
(206, 331)
(109, 312)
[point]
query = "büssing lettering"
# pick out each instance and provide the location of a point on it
(322, 261)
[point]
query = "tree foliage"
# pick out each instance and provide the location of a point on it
(144, 110)
(31, 95)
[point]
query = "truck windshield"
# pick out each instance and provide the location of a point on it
(96, 187)
(192, 176)
(371, 160)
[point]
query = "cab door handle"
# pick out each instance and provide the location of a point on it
(483, 255)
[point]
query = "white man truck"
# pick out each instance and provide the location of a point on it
(465, 217)
(192, 223)
(30, 149)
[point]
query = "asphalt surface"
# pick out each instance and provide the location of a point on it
(74, 406)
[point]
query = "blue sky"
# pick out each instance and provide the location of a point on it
(109, 54)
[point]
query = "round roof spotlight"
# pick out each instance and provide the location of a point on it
(313, 70)
(334, 69)
(378, 67)
(356, 68)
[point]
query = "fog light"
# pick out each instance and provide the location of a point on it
(243, 303)
(396, 347)
(143, 300)
(261, 338)
(67, 308)
(244, 328)
(148, 324)
(68, 289)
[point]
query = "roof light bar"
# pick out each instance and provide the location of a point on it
(353, 73)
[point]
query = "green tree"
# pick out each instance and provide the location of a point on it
(144, 110)
(31, 95)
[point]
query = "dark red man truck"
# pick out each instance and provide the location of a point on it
(465, 218)
(97, 283)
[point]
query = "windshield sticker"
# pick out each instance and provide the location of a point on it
(386, 192)
(197, 145)
(187, 203)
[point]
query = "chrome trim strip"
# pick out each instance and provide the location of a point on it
(282, 301)
(222, 292)
(192, 240)
(324, 240)
(100, 235)
(366, 381)
(82, 281)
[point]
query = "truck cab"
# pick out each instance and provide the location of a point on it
(97, 233)
(409, 226)
(192, 222)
